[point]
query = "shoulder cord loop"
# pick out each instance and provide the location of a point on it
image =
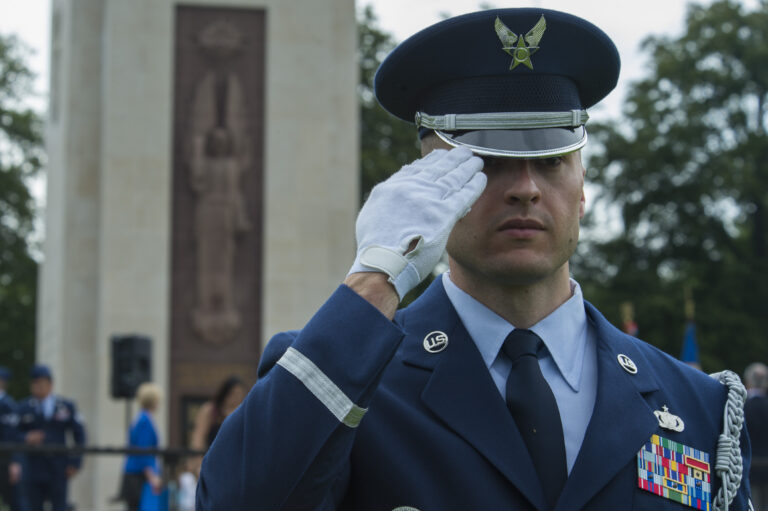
(729, 465)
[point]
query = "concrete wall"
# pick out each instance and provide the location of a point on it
(109, 137)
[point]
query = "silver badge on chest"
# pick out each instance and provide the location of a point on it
(668, 420)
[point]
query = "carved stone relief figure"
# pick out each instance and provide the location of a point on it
(218, 158)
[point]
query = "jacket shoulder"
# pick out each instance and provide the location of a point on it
(63, 401)
(27, 403)
(8, 401)
(668, 368)
(275, 349)
(664, 368)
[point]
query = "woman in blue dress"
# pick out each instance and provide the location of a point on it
(141, 473)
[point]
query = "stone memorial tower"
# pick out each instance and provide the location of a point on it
(202, 189)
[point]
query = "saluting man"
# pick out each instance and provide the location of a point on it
(500, 387)
(48, 419)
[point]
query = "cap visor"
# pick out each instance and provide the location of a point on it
(532, 143)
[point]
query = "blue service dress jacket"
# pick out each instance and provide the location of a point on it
(63, 422)
(354, 413)
(9, 421)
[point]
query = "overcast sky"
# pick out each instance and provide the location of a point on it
(627, 23)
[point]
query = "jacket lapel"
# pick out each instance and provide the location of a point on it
(622, 420)
(462, 394)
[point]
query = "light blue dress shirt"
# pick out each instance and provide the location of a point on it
(570, 367)
(47, 406)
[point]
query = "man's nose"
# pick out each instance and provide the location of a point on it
(520, 182)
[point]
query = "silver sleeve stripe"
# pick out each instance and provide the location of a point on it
(322, 387)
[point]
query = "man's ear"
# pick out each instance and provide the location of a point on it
(431, 142)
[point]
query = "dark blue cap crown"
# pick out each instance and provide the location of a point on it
(40, 371)
(5, 373)
(461, 65)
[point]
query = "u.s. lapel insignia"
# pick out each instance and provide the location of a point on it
(435, 342)
(627, 363)
(523, 46)
(668, 420)
(675, 471)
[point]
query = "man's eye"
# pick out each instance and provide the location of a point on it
(552, 162)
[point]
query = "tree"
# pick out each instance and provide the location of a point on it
(386, 142)
(687, 167)
(20, 159)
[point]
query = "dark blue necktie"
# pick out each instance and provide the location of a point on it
(534, 409)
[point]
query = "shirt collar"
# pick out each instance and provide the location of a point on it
(48, 403)
(564, 331)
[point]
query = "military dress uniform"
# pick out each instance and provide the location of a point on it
(390, 423)
(46, 475)
(357, 412)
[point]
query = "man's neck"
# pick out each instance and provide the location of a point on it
(522, 305)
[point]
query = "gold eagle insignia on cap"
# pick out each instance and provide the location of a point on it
(520, 47)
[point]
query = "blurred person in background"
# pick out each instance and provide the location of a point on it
(48, 419)
(10, 463)
(211, 415)
(141, 475)
(208, 420)
(756, 416)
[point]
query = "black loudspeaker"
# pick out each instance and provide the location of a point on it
(131, 364)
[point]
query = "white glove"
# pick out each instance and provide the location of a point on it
(422, 201)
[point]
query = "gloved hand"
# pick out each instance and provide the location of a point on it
(422, 201)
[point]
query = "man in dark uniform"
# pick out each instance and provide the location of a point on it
(500, 387)
(756, 417)
(48, 419)
(10, 463)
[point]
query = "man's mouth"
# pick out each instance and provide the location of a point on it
(521, 227)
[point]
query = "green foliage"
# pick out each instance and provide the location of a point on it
(386, 142)
(687, 168)
(20, 159)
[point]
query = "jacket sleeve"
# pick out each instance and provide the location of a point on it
(744, 494)
(9, 425)
(287, 446)
(78, 434)
(26, 420)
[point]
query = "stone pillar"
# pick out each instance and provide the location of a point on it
(112, 141)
